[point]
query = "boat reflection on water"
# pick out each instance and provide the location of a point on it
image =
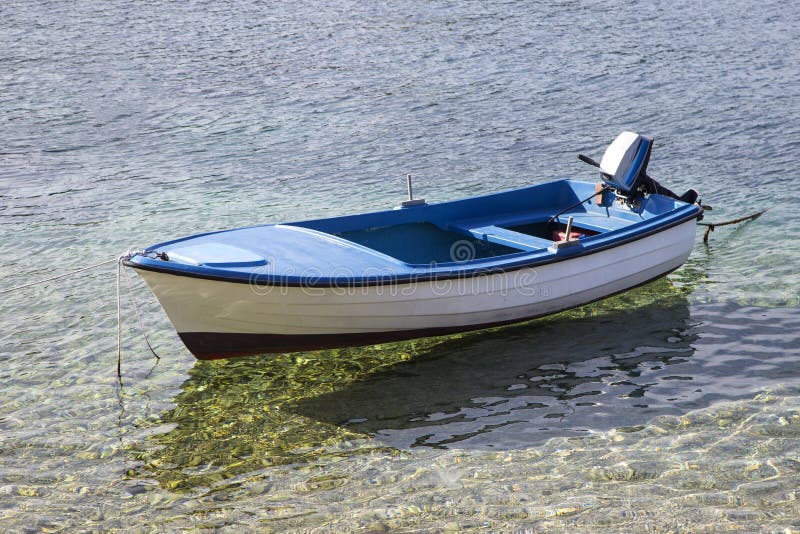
(602, 366)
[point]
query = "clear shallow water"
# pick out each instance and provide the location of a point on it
(671, 407)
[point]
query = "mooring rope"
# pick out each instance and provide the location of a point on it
(119, 324)
(711, 226)
(138, 315)
(63, 275)
(120, 268)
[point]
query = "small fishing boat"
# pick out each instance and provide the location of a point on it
(423, 269)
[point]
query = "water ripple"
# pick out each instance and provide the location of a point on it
(126, 123)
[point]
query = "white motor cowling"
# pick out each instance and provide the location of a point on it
(624, 164)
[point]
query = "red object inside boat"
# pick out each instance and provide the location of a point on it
(561, 236)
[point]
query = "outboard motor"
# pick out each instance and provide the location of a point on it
(624, 164)
(624, 168)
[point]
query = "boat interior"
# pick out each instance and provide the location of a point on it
(559, 217)
(507, 223)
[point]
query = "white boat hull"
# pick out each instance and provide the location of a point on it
(219, 319)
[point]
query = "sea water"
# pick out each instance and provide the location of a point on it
(673, 407)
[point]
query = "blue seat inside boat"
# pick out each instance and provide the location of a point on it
(509, 238)
(520, 230)
(596, 222)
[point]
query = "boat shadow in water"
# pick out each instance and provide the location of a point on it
(607, 365)
(610, 365)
